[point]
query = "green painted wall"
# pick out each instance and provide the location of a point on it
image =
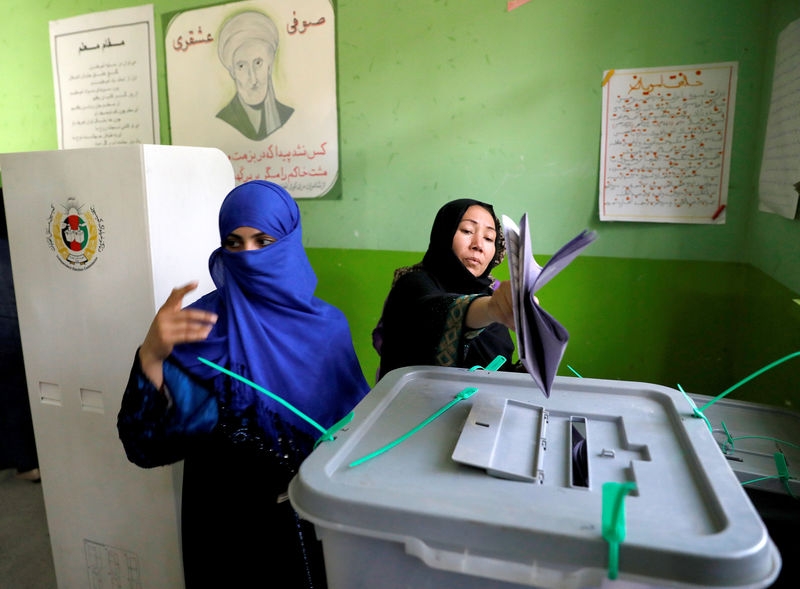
(705, 325)
(446, 99)
(440, 99)
(449, 98)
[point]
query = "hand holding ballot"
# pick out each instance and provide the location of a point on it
(541, 339)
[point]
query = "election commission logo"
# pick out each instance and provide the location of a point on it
(75, 233)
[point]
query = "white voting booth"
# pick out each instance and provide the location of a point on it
(98, 239)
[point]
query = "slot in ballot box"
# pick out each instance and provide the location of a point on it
(98, 239)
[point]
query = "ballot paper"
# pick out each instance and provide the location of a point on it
(541, 339)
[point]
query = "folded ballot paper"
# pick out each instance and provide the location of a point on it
(541, 340)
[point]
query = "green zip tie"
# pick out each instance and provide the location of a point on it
(573, 370)
(772, 476)
(749, 378)
(695, 410)
(728, 441)
(465, 394)
(614, 521)
(783, 474)
(780, 464)
(776, 440)
(783, 471)
(493, 365)
(327, 434)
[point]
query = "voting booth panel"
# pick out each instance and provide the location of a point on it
(98, 239)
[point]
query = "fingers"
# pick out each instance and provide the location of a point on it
(192, 325)
(173, 325)
(502, 307)
(198, 316)
(187, 325)
(507, 314)
(175, 298)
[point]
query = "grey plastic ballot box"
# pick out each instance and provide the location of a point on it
(504, 489)
(749, 434)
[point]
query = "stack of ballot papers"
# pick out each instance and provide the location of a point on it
(541, 339)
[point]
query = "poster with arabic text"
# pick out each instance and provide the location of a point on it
(666, 143)
(104, 73)
(257, 79)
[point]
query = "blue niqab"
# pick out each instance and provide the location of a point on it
(271, 328)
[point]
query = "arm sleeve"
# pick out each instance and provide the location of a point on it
(424, 325)
(157, 427)
(456, 336)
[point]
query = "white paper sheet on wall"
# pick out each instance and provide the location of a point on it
(780, 165)
(104, 72)
(666, 142)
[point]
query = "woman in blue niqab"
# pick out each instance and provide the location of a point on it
(241, 447)
(271, 328)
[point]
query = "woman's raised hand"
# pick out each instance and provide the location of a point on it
(501, 307)
(172, 325)
(497, 308)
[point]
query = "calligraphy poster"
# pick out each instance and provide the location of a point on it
(257, 80)
(780, 165)
(666, 143)
(104, 71)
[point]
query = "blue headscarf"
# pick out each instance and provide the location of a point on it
(271, 328)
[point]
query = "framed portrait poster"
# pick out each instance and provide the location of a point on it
(257, 80)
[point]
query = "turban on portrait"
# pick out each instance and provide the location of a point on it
(245, 26)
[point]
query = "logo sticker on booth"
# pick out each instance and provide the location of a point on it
(75, 233)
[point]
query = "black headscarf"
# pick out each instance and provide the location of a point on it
(443, 262)
(410, 332)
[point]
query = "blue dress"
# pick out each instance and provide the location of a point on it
(240, 447)
(237, 528)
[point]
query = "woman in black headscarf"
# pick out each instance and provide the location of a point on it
(444, 311)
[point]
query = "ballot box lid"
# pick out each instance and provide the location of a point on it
(502, 474)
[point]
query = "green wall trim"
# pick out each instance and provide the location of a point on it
(705, 325)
